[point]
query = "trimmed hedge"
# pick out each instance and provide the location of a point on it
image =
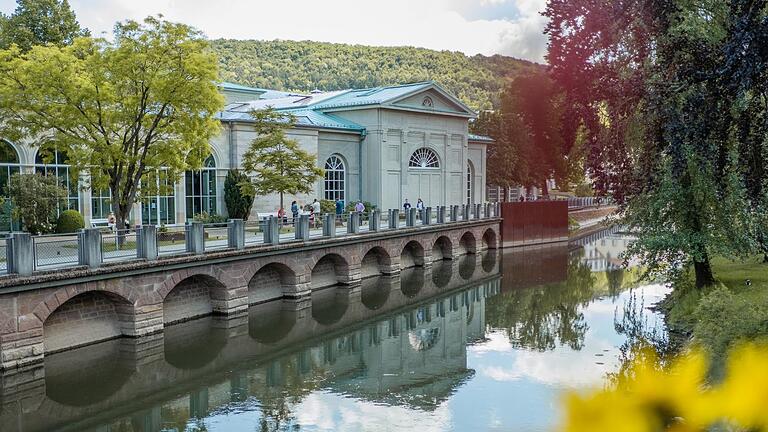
(69, 221)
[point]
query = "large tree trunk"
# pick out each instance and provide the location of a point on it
(703, 270)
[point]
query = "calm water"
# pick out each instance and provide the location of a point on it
(484, 343)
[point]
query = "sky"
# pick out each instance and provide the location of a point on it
(509, 27)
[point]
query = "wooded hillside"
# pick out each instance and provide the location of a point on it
(304, 66)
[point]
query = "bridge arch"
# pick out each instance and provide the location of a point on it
(412, 255)
(442, 249)
(467, 243)
(490, 239)
(192, 297)
(85, 318)
(376, 261)
(270, 282)
(331, 269)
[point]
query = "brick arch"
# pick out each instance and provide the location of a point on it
(62, 295)
(468, 243)
(413, 254)
(328, 262)
(272, 280)
(193, 296)
(490, 239)
(376, 260)
(442, 247)
(181, 275)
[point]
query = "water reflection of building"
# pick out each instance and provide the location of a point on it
(389, 342)
(605, 254)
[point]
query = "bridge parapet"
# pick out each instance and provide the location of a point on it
(57, 310)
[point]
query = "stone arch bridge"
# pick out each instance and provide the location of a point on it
(52, 312)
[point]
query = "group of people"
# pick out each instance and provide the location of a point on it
(315, 209)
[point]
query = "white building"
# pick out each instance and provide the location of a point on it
(383, 145)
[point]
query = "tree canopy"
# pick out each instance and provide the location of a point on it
(305, 66)
(39, 22)
(281, 166)
(120, 110)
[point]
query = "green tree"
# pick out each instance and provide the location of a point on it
(35, 200)
(238, 204)
(280, 165)
(121, 109)
(40, 22)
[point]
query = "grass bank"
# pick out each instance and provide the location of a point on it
(733, 310)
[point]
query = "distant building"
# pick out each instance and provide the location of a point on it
(383, 145)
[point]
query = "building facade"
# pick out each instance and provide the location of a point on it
(383, 145)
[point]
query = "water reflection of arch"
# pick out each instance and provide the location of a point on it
(412, 281)
(489, 260)
(374, 292)
(442, 273)
(106, 369)
(329, 306)
(467, 264)
(196, 343)
(269, 323)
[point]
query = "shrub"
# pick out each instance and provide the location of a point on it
(207, 218)
(35, 199)
(238, 204)
(69, 221)
(327, 206)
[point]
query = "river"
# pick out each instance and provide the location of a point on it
(489, 342)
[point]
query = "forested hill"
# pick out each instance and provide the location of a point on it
(304, 66)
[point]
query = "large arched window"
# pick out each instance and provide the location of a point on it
(54, 163)
(201, 189)
(424, 158)
(335, 178)
(158, 199)
(470, 182)
(9, 165)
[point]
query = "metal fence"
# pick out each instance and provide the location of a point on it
(119, 244)
(3, 255)
(172, 240)
(55, 250)
(215, 236)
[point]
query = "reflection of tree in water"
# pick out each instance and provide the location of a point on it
(544, 316)
(641, 334)
(615, 281)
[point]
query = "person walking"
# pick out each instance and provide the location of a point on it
(406, 205)
(360, 208)
(339, 210)
(419, 208)
(316, 211)
(294, 211)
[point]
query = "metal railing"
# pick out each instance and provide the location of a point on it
(119, 244)
(55, 251)
(215, 236)
(172, 240)
(93, 247)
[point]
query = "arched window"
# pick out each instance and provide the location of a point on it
(335, 178)
(424, 158)
(158, 201)
(201, 189)
(54, 163)
(9, 165)
(470, 182)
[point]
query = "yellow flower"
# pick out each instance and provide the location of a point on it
(744, 393)
(606, 411)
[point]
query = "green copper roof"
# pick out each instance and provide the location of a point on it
(473, 137)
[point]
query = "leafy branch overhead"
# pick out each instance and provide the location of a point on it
(280, 165)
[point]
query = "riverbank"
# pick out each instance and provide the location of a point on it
(734, 309)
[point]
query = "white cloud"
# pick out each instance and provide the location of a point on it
(510, 27)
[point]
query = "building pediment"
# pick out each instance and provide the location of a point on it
(433, 100)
